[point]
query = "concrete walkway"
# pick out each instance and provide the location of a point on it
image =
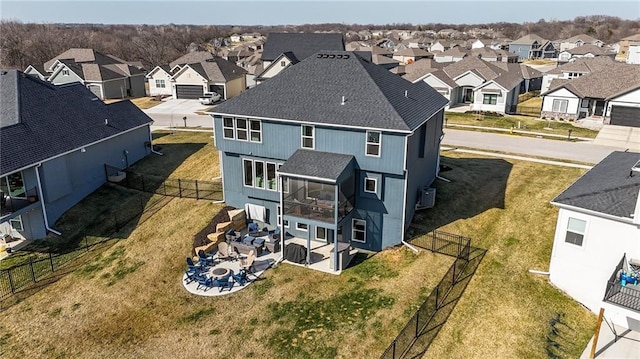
(610, 347)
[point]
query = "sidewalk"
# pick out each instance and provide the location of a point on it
(627, 345)
(523, 132)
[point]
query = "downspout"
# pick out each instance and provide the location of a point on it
(404, 206)
(283, 232)
(44, 210)
(151, 144)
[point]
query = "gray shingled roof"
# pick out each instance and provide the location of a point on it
(218, 69)
(529, 39)
(83, 55)
(302, 45)
(39, 120)
(604, 83)
(606, 188)
(588, 49)
(420, 68)
(585, 64)
(312, 91)
(191, 58)
(318, 164)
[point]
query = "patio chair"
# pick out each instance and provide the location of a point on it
(253, 228)
(199, 267)
(204, 281)
(191, 275)
(246, 264)
(240, 278)
(225, 252)
(222, 284)
(204, 258)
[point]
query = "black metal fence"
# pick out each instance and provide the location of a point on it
(182, 188)
(621, 295)
(37, 267)
(443, 243)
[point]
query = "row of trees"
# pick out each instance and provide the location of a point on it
(23, 44)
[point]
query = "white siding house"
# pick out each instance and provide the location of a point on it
(599, 224)
(633, 54)
(159, 80)
(561, 103)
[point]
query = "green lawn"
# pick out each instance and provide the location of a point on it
(129, 301)
(526, 123)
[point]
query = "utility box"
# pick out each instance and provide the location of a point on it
(427, 198)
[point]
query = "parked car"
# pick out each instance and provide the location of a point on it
(209, 98)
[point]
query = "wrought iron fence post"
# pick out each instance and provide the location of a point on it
(197, 194)
(453, 278)
(393, 352)
(433, 241)
(33, 273)
(459, 247)
(437, 295)
(417, 323)
(13, 289)
(51, 261)
(179, 188)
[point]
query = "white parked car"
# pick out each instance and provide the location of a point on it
(209, 98)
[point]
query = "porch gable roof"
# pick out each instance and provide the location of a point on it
(324, 166)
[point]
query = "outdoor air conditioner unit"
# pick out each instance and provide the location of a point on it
(427, 198)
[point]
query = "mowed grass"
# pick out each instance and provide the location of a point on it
(526, 123)
(130, 302)
(129, 299)
(503, 205)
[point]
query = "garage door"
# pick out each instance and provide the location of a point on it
(189, 91)
(625, 116)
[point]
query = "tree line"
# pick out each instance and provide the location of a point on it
(22, 44)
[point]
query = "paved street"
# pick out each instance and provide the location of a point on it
(572, 151)
(175, 120)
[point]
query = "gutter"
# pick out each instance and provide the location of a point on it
(44, 210)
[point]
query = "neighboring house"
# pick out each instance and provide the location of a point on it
(453, 54)
(596, 238)
(532, 46)
(479, 84)
(235, 38)
(384, 61)
(575, 69)
(37, 71)
(160, 81)
(408, 56)
(56, 141)
(585, 51)
(612, 93)
(107, 76)
(213, 75)
(193, 57)
(633, 53)
(493, 55)
(480, 43)
(624, 45)
(440, 45)
(579, 40)
(335, 148)
(298, 46)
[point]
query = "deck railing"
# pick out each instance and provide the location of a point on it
(616, 293)
(13, 204)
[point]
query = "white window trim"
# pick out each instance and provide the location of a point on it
(19, 220)
(65, 72)
(375, 185)
(285, 223)
(560, 102)
(255, 174)
(367, 143)
(313, 137)
(584, 235)
(244, 173)
(325, 233)
(235, 126)
(353, 230)
(252, 131)
(275, 178)
(232, 128)
(162, 82)
(285, 189)
(279, 216)
(302, 229)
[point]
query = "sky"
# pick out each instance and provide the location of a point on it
(266, 12)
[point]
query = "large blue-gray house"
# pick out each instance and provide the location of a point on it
(54, 143)
(532, 46)
(335, 148)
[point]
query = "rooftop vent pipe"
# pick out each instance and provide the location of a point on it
(343, 100)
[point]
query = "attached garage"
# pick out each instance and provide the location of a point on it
(625, 116)
(189, 91)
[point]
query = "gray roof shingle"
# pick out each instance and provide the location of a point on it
(323, 165)
(607, 188)
(604, 83)
(191, 58)
(302, 45)
(39, 120)
(218, 69)
(312, 91)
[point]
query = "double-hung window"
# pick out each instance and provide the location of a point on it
(255, 131)
(575, 231)
(370, 185)
(16, 223)
(321, 233)
(241, 129)
(160, 83)
(308, 136)
(373, 143)
(489, 99)
(247, 168)
(227, 128)
(560, 105)
(271, 184)
(359, 230)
